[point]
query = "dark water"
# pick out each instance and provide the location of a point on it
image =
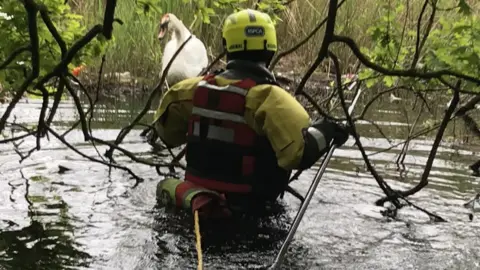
(87, 218)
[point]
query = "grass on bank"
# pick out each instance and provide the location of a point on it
(136, 48)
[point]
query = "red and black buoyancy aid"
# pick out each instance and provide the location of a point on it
(224, 153)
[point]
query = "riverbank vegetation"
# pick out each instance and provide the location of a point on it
(424, 50)
(387, 30)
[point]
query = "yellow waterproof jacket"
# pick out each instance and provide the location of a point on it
(270, 111)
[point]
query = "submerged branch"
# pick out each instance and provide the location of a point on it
(380, 181)
(132, 155)
(436, 143)
(13, 139)
(389, 192)
(138, 179)
(403, 152)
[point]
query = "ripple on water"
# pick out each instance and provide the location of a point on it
(87, 218)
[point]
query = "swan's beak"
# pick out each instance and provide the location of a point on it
(163, 30)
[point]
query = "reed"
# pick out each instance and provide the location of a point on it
(137, 50)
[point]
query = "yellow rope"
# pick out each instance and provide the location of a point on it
(199, 242)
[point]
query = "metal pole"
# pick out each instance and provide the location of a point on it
(311, 190)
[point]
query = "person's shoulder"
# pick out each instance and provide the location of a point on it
(270, 95)
(270, 89)
(276, 87)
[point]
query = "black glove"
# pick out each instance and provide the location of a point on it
(331, 130)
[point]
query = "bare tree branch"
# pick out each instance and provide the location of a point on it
(153, 94)
(401, 73)
(302, 42)
(436, 143)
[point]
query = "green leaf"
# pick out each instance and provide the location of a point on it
(461, 50)
(474, 59)
(364, 74)
(37, 199)
(377, 34)
(262, 6)
(369, 83)
(461, 28)
(464, 8)
(389, 81)
(400, 8)
(210, 11)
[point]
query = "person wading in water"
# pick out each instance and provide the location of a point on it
(244, 134)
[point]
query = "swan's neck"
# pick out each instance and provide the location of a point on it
(180, 32)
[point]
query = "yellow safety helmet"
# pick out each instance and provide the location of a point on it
(249, 30)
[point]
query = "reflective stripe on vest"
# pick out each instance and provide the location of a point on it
(215, 133)
(218, 115)
(229, 132)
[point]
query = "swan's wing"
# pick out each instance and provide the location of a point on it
(189, 62)
(197, 54)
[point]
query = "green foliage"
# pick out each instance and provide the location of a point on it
(135, 47)
(51, 90)
(272, 8)
(464, 7)
(202, 11)
(14, 29)
(452, 44)
(456, 46)
(39, 178)
(205, 11)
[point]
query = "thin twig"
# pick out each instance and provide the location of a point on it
(302, 42)
(138, 179)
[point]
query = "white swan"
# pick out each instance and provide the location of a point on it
(193, 57)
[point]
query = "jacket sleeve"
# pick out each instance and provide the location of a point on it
(278, 115)
(174, 110)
